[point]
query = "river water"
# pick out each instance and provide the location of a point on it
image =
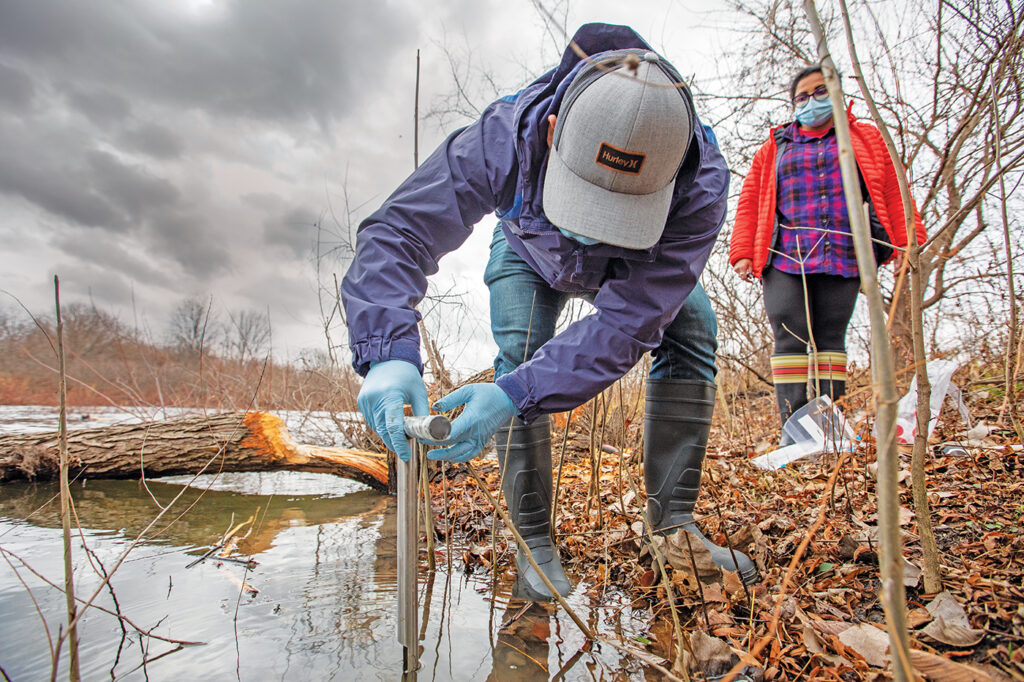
(318, 601)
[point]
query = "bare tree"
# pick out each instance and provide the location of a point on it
(947, 80)
(193, 326)
(248, 334)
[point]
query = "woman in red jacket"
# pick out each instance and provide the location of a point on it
(792, 231)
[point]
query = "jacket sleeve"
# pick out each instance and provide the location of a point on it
(430, 214)
(633, 308)
(744, 227)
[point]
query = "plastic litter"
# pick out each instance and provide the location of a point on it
(816, 428)
(940, 372)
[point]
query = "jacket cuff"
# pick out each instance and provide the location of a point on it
(519, 392)
(378, 349)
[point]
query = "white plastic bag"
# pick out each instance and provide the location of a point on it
(940, 372)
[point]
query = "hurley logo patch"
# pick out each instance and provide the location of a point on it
(619, 160)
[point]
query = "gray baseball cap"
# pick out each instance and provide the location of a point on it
(623, 129)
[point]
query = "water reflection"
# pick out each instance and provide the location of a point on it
(325, 581)
(199, 517)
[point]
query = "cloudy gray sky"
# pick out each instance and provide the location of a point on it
(154, 150)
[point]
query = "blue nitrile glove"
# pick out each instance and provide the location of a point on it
(487, 409)
(387, 387)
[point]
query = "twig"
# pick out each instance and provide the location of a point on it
(696, 577)
(516, 616)
(210, 552)
(919, 484)
(74, 672)
(428, 509)
(561, 463)
(890, 554)
(148, 633)
(503, 467)
(681, 640)
(587, 632)
(142, 470)
(32, 596)
(528, 552)
(750, 657)
(146, 661)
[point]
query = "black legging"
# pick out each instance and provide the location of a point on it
(830, 298)
(830, 302)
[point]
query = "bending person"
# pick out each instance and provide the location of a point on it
(607, 187)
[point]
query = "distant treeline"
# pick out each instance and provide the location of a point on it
(225, 366)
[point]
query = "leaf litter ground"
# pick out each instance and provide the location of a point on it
(832, 623)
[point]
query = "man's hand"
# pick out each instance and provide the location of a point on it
(487, 408)
(388, 386)
(744, 268)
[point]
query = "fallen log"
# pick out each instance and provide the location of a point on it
(230, 441)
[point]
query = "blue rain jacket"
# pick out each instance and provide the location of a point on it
(497, 164)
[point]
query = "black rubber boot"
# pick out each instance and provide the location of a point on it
(676, 428)
(790, 397)
(527, 489)
(835, 390)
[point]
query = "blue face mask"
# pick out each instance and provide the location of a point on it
(578, 237)
(814, 112)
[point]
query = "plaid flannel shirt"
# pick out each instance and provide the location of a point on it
(814, 225)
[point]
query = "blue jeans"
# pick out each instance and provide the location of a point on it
(525, 309)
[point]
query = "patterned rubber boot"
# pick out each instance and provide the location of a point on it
(789, 372)
(832, 382)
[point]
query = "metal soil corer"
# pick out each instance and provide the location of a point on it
(431, 428)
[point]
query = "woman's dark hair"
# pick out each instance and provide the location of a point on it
(804, 73)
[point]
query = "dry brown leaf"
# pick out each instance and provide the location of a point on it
(830, 627)
(911, 573)
(748, 538)
(952, 634)
(918, 617)
(683, 556)
(868, 641)
(935, 667)
(713, 593)
(714, 658)
(813, 645)
(732, 584)
(950, 625)
(847, 547)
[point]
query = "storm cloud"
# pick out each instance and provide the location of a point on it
(157, 150)
(263, 59)
(132, 133)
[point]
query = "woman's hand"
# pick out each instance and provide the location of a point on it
(744, 267)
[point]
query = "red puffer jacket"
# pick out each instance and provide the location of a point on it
(755, 213)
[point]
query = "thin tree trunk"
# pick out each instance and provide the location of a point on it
(237, 441)
(65, 498)
(890, 554)
(1010, 395)
(919, 484)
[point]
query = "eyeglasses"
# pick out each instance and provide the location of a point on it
(820, 93)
